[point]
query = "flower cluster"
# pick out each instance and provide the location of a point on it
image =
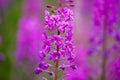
(105, 9)
(57, 46)
(105, 15)
(105, 35)
(27, 45)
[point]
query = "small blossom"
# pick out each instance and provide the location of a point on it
(37, 70)
(116, 70)
(62, 68)
(48, 6)
(50, 73)
(118, 36)
(73, 67)
(42, 55)
(43, 65)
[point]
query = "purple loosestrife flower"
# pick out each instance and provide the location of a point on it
(29, 32)
(105, 9)
(4, 4)
(105, 18)
(105, 12)
(33, 7)
(61, 22)
(28, 39)
(105, 15)
(59, 46)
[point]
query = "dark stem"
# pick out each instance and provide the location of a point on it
(56, 69)
(60, 3)
(56, 63)
(104, 46)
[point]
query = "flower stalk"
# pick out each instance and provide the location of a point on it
(56, 61)
(104, 48)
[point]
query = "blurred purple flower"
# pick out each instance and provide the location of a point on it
(4, 4)
(81, 70)
(29, 32)
(2, 58)
(78, 74)
(33, 7)
(105, 14)
(117, 69)
(114, 69)
(28, 39)
(105, 9)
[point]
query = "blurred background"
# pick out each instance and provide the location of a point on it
(22, 25)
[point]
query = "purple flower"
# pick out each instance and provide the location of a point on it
(117, 36)
(117, 69)
(105, 9)
(105, 16)
(38, 70)
(61, 22)
(114, 69)
(28, 39)
(43, 65)
(78, 69)
(29, 32)
(59, 44)
(105, 20)
(50, 73)
(33, 7)
(54, 55)
(4, 4)
(42, 55)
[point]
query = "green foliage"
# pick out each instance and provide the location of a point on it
(8, 28)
